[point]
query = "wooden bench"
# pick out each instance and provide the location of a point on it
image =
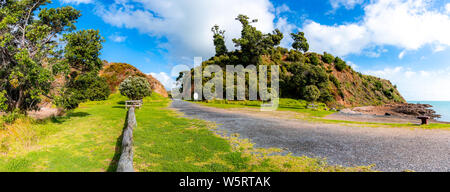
(133, 103)
(424, 119)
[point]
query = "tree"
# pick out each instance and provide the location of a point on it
(300, 42)
(219, 40)
(254, 43)
(29, 49)
(81, 64)
(311, 93)
(135, 88)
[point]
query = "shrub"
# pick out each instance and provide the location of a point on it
(311, 93)
(327, 58)
(135, 88)
(294, 56)
(339, 64)
(314, 59)
(84, 88)
(335, 81)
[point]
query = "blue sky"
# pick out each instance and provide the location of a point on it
(405, 41)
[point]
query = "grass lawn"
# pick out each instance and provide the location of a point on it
(315, 115)
(88, 139)
(84, 140)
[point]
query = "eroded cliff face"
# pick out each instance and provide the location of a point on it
(115, 73)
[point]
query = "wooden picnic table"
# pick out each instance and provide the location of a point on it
(424, 119)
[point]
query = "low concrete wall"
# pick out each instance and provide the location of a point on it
(126, 158)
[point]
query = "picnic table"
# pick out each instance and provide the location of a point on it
(424, 119)
(133, 103)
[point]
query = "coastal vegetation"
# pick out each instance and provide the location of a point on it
(303, 75)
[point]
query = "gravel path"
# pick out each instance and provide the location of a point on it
(390, 149)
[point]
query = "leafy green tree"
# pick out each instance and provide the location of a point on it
(311, 93)
(219, 40)
(254, 43)
(300, 42)
(29, 49)
(81, 58)
(135, 88)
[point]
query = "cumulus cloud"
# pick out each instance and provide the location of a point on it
(348, 4)
(406, 24)
(418, 85)
(77, 1)
(117, 38)
(165, 79)
(186, 25)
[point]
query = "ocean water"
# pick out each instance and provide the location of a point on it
(441, 107)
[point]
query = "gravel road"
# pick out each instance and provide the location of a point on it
(390, 149)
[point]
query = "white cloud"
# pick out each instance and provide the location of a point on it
(401, 54)
(286, 28)
(447, 8)
(340, 40)
(353, 65)
(165, 79)
(348, 4)
(117, 38)
(418, 85)
(406, 24)
(77, 1)
(282, 9)
(186, 24)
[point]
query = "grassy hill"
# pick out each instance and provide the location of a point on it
(115, 73)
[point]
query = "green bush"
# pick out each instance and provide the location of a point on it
(294, 56)
(314, 59)
(335, 81)
(311, 93)
(327, 58)
(86, 87)
(135, 88)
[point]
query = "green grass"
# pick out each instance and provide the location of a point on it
(165, 141)
(299, 106)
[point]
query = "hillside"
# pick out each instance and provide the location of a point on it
(115, 73)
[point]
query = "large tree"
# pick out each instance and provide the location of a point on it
(219, 40)
(300, 43)
(31, 53)
(254, 43)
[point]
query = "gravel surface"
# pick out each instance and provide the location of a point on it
(390, 149)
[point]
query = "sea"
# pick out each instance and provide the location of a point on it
(441, 107)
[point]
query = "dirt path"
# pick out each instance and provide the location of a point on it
(390, 149)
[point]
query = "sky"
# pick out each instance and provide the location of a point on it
(405, 41)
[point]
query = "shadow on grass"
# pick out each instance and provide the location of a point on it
(118, 149)
(62, 119)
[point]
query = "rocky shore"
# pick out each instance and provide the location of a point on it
(402, 110)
